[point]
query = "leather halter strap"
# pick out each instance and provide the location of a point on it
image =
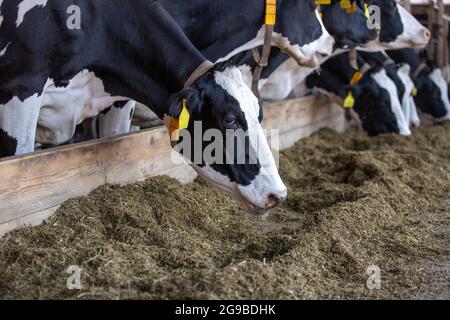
(419, 70)
(263, 59)
(199, 72)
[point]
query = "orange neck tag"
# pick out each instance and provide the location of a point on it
(356, 77)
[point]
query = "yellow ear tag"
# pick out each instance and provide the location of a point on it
(366, 10)
(184, 116)
(351, 8)
(345, 4)
(349, 101)
(414, 92)
(323, 1)
(181, 123)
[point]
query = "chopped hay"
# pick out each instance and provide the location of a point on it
(354, 202)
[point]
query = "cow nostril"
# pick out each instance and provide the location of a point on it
(426, 34)
(275, 200)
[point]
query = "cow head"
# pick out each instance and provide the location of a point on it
(376, 105)
(348, 29)
(301, 33)
(399, 29)
(432, 94)
(224, 139)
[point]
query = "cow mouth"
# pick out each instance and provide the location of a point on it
(253, 209)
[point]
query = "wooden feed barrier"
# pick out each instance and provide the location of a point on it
(32, 187)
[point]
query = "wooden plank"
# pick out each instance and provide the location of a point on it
(299, 118)
(43, 180)
(35, 185)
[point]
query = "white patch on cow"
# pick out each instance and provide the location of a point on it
(25, 6)
(2, 53)
(63, 108)
(268, 181)
(142, 113)
(408, 104)
(247, 74)
(446, 73)
(116, 121)
(1, 16)
(19, 119)
(415, 119)
(283, 80)
(438, 79)
(385, 82)
(414, 32)
(413, 36)
(287, 77)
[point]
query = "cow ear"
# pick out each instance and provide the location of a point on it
(194, 102)
(356, 91)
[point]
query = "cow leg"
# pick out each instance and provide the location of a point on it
(116, 119)
(18, 121)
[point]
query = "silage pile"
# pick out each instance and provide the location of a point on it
(354, 202)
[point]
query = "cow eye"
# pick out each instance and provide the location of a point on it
(230, 121)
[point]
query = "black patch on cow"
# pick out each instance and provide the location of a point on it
(117, 105)
(8, 144)
(391, 23)
(349, 30)
(104, 112)
(131, 113)
(120, 104)
(380, 59)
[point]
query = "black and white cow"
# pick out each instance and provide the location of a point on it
(147, 58)
(371, 102)
(298, 32)
(375, 95)
(400, 75)
(399, 29)
(432, 89)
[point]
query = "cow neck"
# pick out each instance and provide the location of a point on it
(161, 59)
(343, 67)
(419, 70)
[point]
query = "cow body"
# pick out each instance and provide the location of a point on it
(298, 31)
